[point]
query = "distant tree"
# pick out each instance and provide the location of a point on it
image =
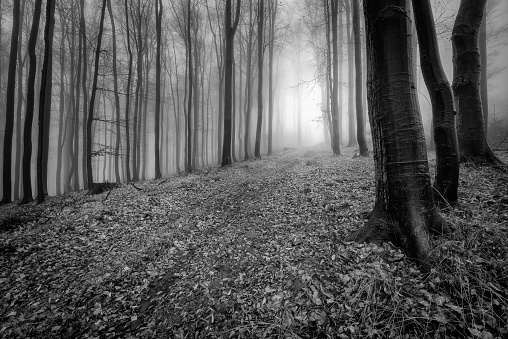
(443, 109)
(229, 33)
(404, 211)
(473, 145)
(9, 106)
(30, 99)
(45, 102)
(261, 27)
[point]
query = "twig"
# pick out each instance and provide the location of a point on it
(139, 189)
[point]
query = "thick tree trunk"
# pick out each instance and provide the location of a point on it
(261, 27)
(404, 210)
(473, 145)
(45, 102)
(360, 116)
(351, 71)
(82, 25)
(158, 75)
(443, 110)
(484, 76)
(30, 101)
(248, 86)
(9, 107)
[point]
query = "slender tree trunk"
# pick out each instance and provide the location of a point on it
(351, 71)
(273, 15)
(188, 163)
(30, 101)
(261, 14)
(9, 106)
(158, 74)
(248, 85)
(473, 146)
(45, 101)
(360, 116)
(117, 96)
(85, 95)
(404, 211)
(228, 79)
(89, 173)
(335, 79)
(127, 99)
(443, 110)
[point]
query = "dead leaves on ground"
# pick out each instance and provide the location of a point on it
(254, 250)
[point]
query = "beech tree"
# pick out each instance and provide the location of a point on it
(443, 109)
(261, 15)
(471, 129)
(404, 211)
(30, 99)
(229, 33)
(9, 106)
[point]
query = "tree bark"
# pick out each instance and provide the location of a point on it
(443, 109)
(473, 146)
(45, 101)
(360, 116)
(117, 96)
(229, 33)
(89, 173)
(127, 99)
(484, 75)
(9, 106)
(404, 210)
(30, 101)
(188, 163)
(335, 79)
(261, 15)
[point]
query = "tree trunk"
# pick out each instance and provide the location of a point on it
(335, 80)
(443, 110)
(360, 116)
(229, 33)
(117, 96)
(261, 15)
(472, 139)
(85, 94)
(404, 210)
(89, 173)
(484, 75)
(248, 85)
(188, 163)
(127, 99)
(351, 71)
(45, 101)
(30, 100)
(9, 106)
(273, 16)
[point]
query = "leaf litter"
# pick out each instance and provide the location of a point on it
(250, 251)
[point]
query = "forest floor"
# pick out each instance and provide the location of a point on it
(255, 250)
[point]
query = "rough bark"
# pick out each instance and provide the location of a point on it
(472, 139)
(484, 74)
(404, 211)
(443, 109)
(9, 106)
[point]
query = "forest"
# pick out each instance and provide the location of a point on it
(254, 169)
